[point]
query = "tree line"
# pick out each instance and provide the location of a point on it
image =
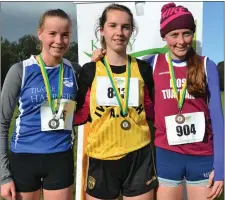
(13, 52)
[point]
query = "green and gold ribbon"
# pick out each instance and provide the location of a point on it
(122, 103)
(54, 107)
(180, 98)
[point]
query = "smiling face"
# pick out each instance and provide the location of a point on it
(55, 36)
(179, 41)
(117, 30)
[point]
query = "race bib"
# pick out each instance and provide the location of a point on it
(105, 95)
(192, 130)
(63, 119)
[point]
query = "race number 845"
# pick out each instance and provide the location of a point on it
(111, 93)
(185, 130)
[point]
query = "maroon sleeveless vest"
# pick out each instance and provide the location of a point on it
(166, 105)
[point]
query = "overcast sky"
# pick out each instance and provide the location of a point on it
(19, 18)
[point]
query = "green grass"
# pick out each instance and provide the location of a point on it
(75, 142)
(222, 99)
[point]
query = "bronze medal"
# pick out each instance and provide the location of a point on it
(180, 119)
(125, 125)
(53, 123)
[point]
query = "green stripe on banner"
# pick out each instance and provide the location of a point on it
(150, 52)
(88, 54)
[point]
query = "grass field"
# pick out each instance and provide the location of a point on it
(75, 142)
(222, 99)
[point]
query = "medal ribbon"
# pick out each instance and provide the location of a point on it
(54, 107)
(122, 103)
(182, 92)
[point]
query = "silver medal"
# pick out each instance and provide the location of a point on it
(53, 123)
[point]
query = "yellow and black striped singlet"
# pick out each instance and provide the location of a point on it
(106, 139)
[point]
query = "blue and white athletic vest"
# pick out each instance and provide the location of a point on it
(27, 135)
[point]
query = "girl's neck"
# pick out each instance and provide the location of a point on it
(116, 59)
(50, 60)
(174, 57)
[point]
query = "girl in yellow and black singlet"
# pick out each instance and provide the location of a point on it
(117, 92)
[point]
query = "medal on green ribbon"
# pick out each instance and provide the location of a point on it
(123, 104)
(54, 122)
(180, 119)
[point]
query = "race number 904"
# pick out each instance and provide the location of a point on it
(185, 130)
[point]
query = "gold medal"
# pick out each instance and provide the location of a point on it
(180, 119)
(125, 125)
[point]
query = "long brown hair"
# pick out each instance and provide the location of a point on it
(196, 78)
(103, 19)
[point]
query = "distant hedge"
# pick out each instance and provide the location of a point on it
(221, 74)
